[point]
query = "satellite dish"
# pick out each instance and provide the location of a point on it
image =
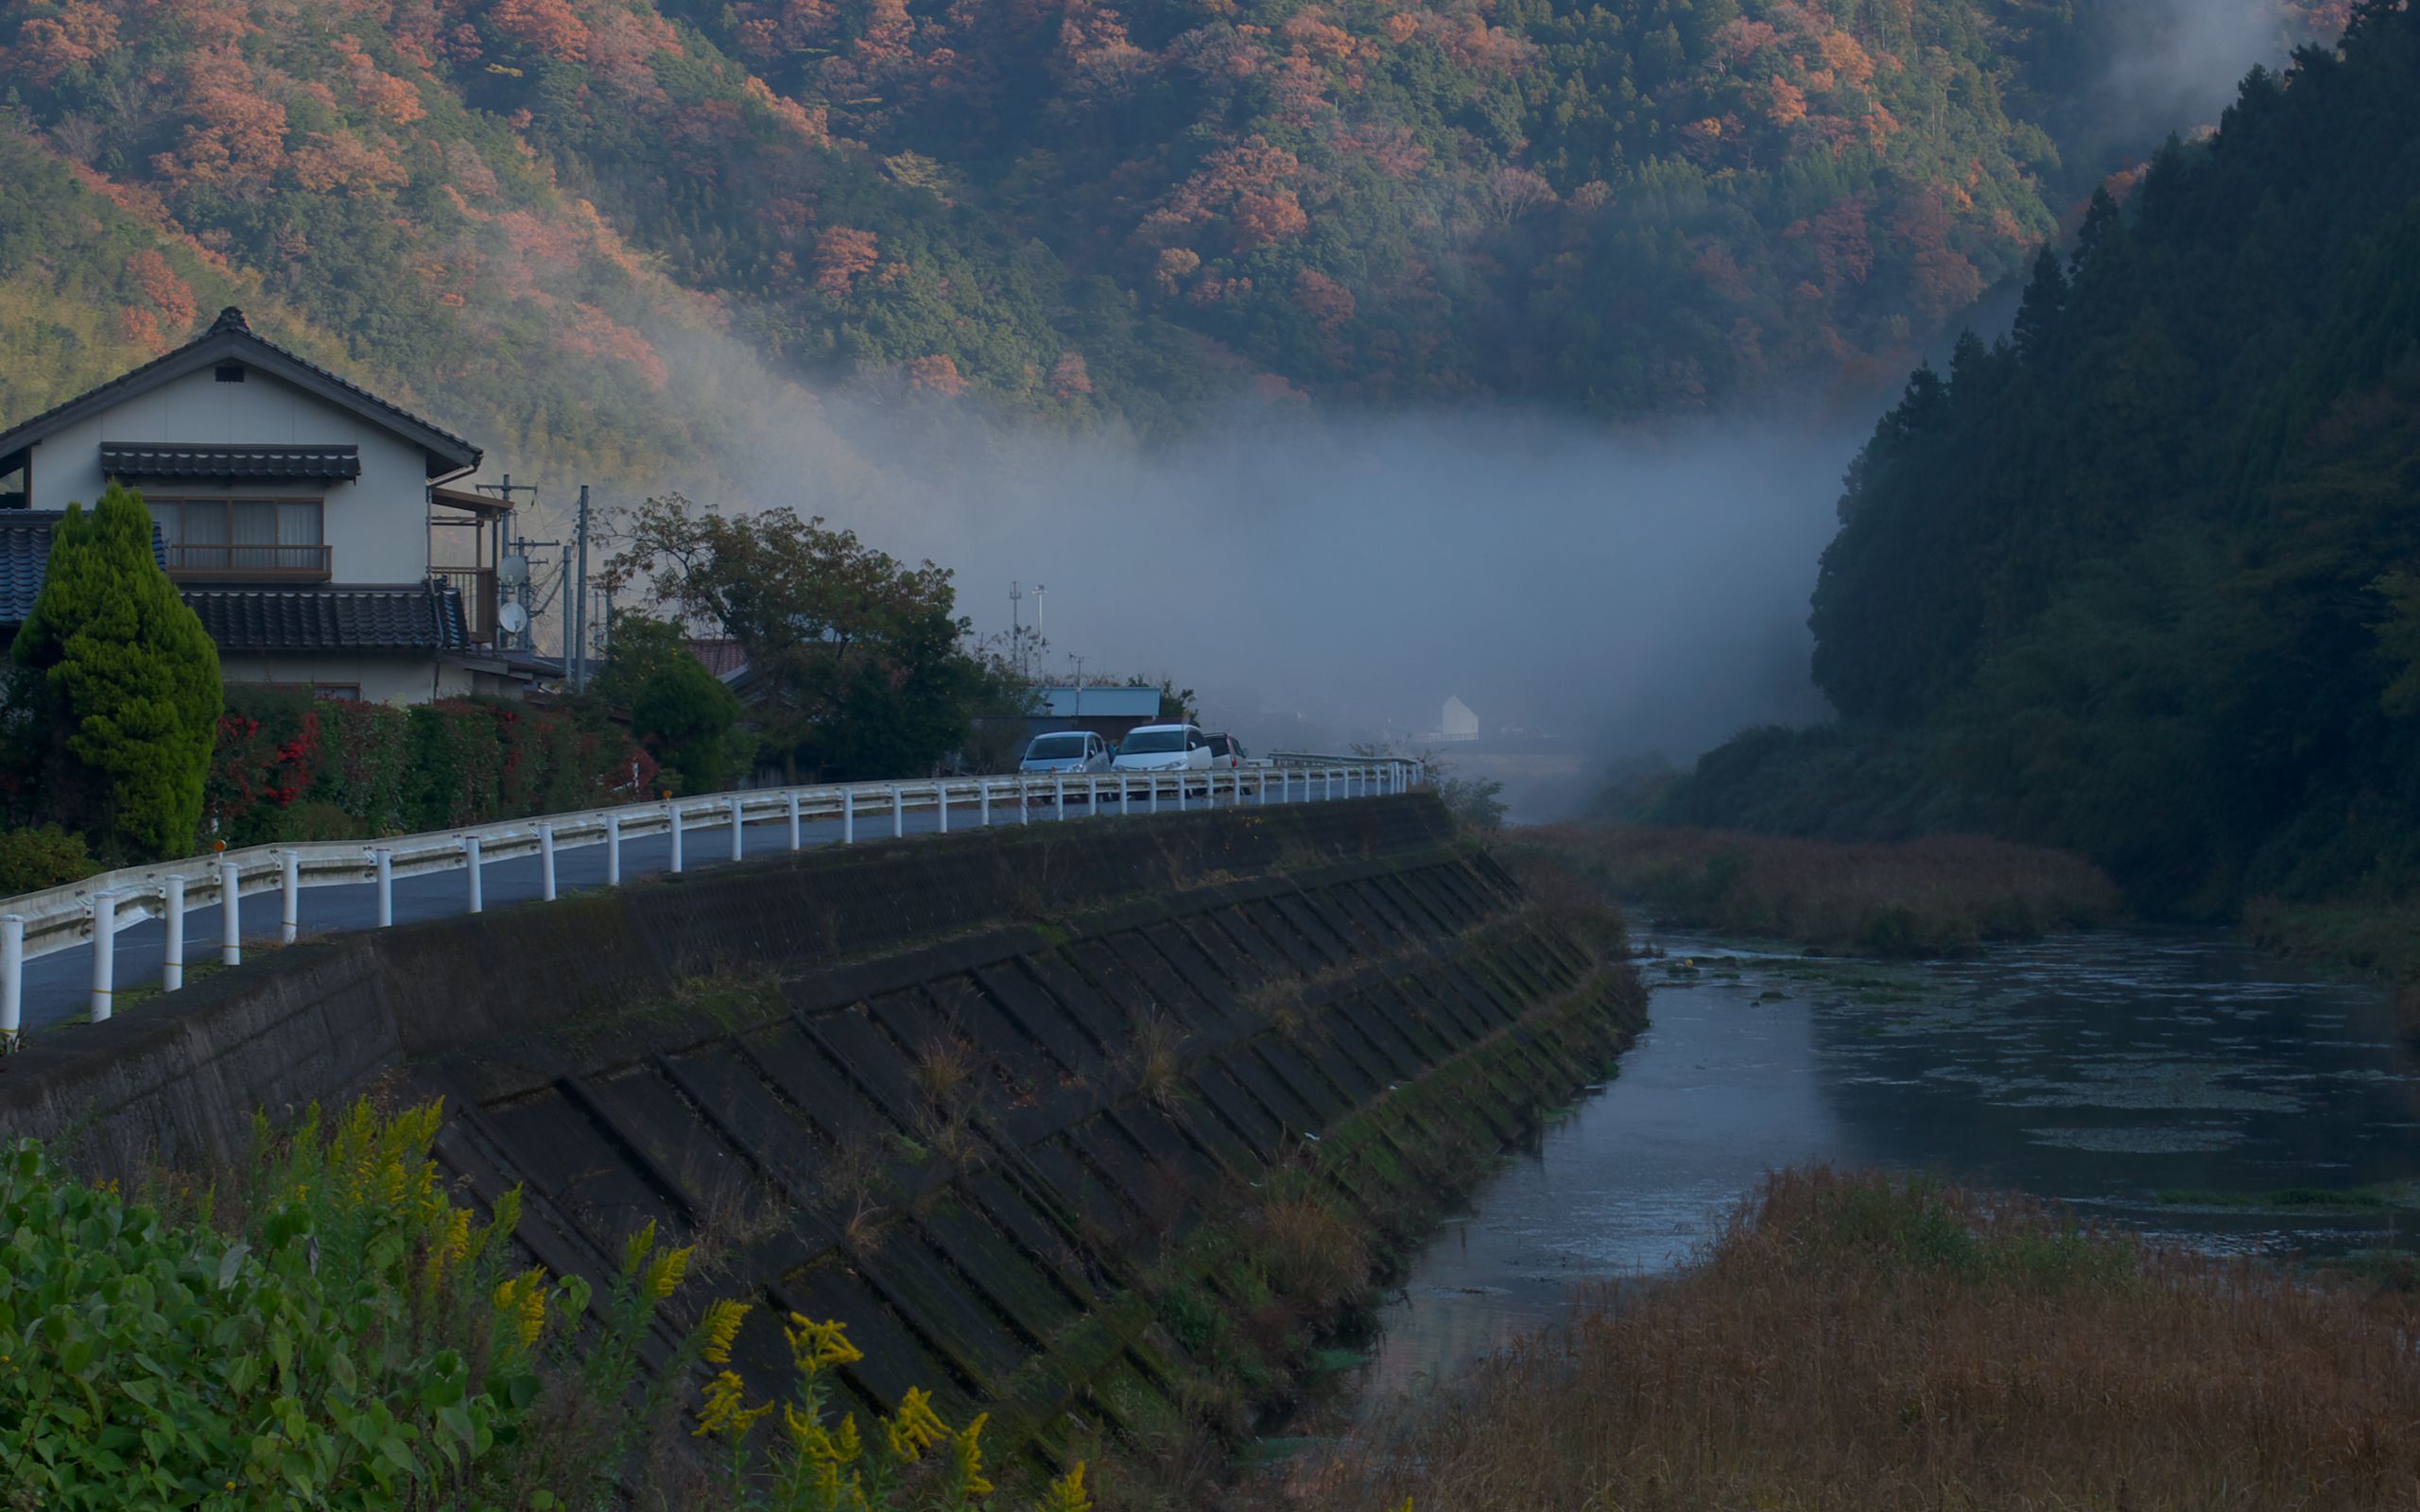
(513, 571)
(511, 618)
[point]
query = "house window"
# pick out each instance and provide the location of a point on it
(244, 539)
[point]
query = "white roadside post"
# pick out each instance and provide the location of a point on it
(940, 804)
(289, 904)
(983, 786)
(848, 816)
(470, 868)
(613, 850)
(1152, 804)
(382, 860)
(1058, 795)
(547, 862)
(795, 840)
(1092, 797)
(230, 914)
(1180, 789)
(104, 952)
(672, 821)
(12, 980)
(739, 829)
(1024, 800)
(898, 813)
(172, 959)
(1125, 798)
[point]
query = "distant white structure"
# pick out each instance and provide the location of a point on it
(1455, 721)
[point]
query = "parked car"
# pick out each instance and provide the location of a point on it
(1226, 751)
(1163, 749)
(1066, 751)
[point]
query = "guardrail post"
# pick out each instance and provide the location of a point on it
(471, 866)
(383, 860)
(1180, 789)
(1024, 800)
(983, 785)
(795, 841)
(940, 803)
(1260, 786)
(898, 813)
(1125, 798)
(289, 904)
(1092, 797)
(1151, 804)
(739, 828)
(172, 959)
(672, 815)
(547, 862)
(12, 980)
(848, 816)
(1058, 795)
(230, 914)
(613, 850)
(104, 952)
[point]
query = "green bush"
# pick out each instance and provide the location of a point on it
(42, 856)
(131, 680)
(685, 716)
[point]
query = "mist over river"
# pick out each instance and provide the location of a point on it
(2166, 1081)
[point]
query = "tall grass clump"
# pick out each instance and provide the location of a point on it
(1939, 894)
(1885, 1343)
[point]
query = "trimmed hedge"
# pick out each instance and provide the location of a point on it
(291, 767)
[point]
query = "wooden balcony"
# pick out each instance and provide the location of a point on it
(478, 590)
(189, 563)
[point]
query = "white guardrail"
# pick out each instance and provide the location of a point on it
(93, 911)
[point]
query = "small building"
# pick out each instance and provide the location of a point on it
(1454, 722)
(1107, 712)
(296, 513)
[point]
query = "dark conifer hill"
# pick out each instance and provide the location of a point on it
(2143, 579)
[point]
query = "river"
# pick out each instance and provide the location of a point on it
(2168, 1081)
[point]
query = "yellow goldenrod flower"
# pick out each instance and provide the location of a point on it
(1065, 1494)
(664, 1275)
(726, 1413)
(720, 1327)
(817, 1346)
(523, 1302)
(915, 1427)
(966, 1459)
(636, 1248)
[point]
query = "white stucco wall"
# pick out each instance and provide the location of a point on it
(378, 523)
(397, 679)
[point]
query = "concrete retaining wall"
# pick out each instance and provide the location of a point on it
(996, 1101)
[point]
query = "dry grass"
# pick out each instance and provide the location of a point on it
(1940, 893)
(1880, 1344)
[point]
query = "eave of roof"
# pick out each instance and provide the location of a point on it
(417, 617)
(229, 338)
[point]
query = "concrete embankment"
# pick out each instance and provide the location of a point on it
(1014, 1105)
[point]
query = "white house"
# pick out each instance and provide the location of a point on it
(296, 511)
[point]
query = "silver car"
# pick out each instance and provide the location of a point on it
(1066, 751)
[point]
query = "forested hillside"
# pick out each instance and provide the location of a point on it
(2144, 579)
(573, 227)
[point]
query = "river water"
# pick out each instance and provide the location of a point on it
(2165, 1081)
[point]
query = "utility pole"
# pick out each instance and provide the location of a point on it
(578, 652)
(1017, 626)
(511, 533)
(1079, 684)
(1038, 591)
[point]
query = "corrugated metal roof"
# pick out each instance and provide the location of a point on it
(409, 617)
(147, 459)
(1105, 703)
(25, 559)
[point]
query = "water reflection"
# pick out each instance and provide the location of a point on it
(2100, 1070)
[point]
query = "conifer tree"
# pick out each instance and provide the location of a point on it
(129, 682)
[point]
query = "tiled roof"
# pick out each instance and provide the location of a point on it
(146, 459)
(231, 336)
(410, 617)
(24, 557)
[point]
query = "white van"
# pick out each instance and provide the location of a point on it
(1163, 749)
(1066, 751)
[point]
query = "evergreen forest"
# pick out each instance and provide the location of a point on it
(2142, 579)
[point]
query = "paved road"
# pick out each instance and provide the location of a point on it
(58, 988)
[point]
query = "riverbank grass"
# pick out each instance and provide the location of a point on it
(1884, 1343)
(1939, 895)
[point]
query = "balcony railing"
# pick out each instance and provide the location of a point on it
(477, 587)
(250, 565)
